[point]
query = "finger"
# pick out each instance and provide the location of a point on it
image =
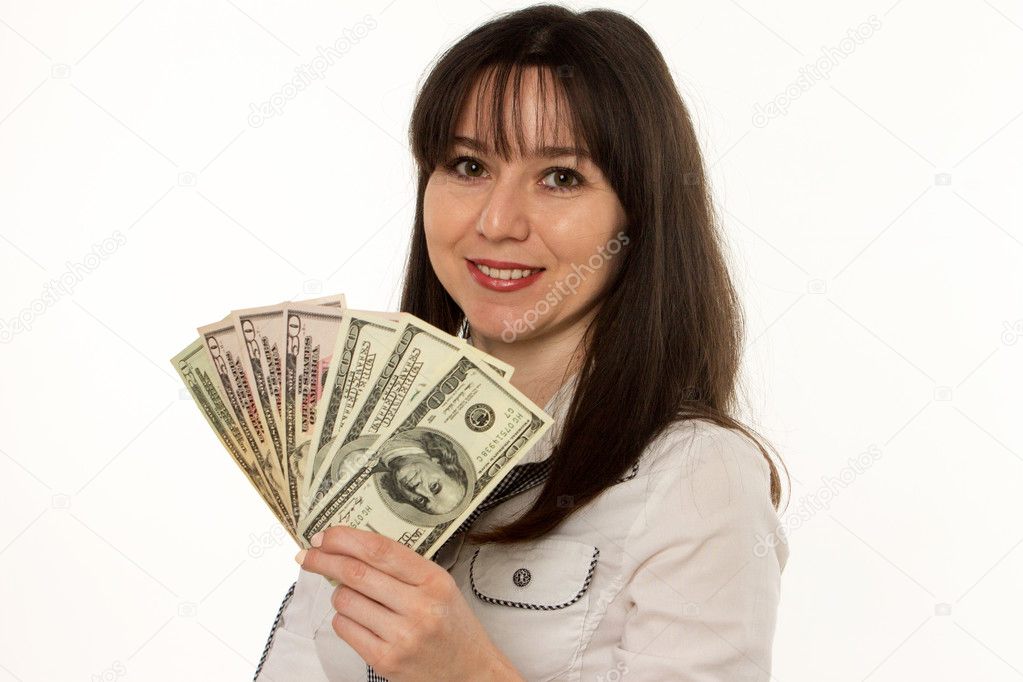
(357, 574)
(391, 557)
(369, 613)
(365, 643)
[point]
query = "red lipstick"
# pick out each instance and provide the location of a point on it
(504, 285)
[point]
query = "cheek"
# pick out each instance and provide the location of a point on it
(441, 219)
(586, 248)
(450, 494)
(430, 211)
(436, 229)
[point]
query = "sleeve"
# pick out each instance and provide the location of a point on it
(290, 651)
(704, 596)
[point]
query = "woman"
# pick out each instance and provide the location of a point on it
(563, 225)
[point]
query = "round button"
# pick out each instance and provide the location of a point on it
(522, 577)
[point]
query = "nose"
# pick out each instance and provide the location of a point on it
(503, 215)
(423, 492)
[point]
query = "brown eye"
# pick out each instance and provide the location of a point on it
(473, 168)
(564, 178)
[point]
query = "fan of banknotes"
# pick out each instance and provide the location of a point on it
(369, 419)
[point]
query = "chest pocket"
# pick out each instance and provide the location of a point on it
(533, 600)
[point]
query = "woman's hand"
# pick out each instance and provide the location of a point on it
(402, 613)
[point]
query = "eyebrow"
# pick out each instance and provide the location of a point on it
(543, 153)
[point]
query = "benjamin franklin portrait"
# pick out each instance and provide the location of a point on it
(426, 477)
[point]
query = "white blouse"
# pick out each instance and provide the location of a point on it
(672, 573)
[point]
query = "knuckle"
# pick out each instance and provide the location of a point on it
(378, 547)
(442, 584)
(341, 599)
(354, 570)
(338, 625)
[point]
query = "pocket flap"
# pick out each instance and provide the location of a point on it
(548, 574)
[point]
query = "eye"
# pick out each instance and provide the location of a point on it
(565, 179)
(435, 487)
(566, 175)
(473, 166)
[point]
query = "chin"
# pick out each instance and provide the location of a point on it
(500, 324)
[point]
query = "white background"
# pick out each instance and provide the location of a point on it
(874, 228)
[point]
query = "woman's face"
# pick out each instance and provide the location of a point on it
(524, 246)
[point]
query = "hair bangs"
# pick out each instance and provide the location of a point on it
(563, 115)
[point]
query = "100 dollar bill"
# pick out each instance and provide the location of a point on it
(364, 341)
(445, 453)
(419, 352)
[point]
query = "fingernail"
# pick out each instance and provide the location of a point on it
(300, 557)
(317, 539)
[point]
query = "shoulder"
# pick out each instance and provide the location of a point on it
(699, 447)
(702, 469)
(704, 490)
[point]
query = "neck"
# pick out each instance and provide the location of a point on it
(542, 363)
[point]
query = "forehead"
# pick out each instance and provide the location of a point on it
(532, 117)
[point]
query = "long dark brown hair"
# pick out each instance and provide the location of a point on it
(666, 342)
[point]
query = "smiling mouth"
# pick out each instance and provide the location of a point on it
(505, 271)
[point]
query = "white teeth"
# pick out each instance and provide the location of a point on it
(503, 274)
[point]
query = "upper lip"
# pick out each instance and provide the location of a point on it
(504, 264)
